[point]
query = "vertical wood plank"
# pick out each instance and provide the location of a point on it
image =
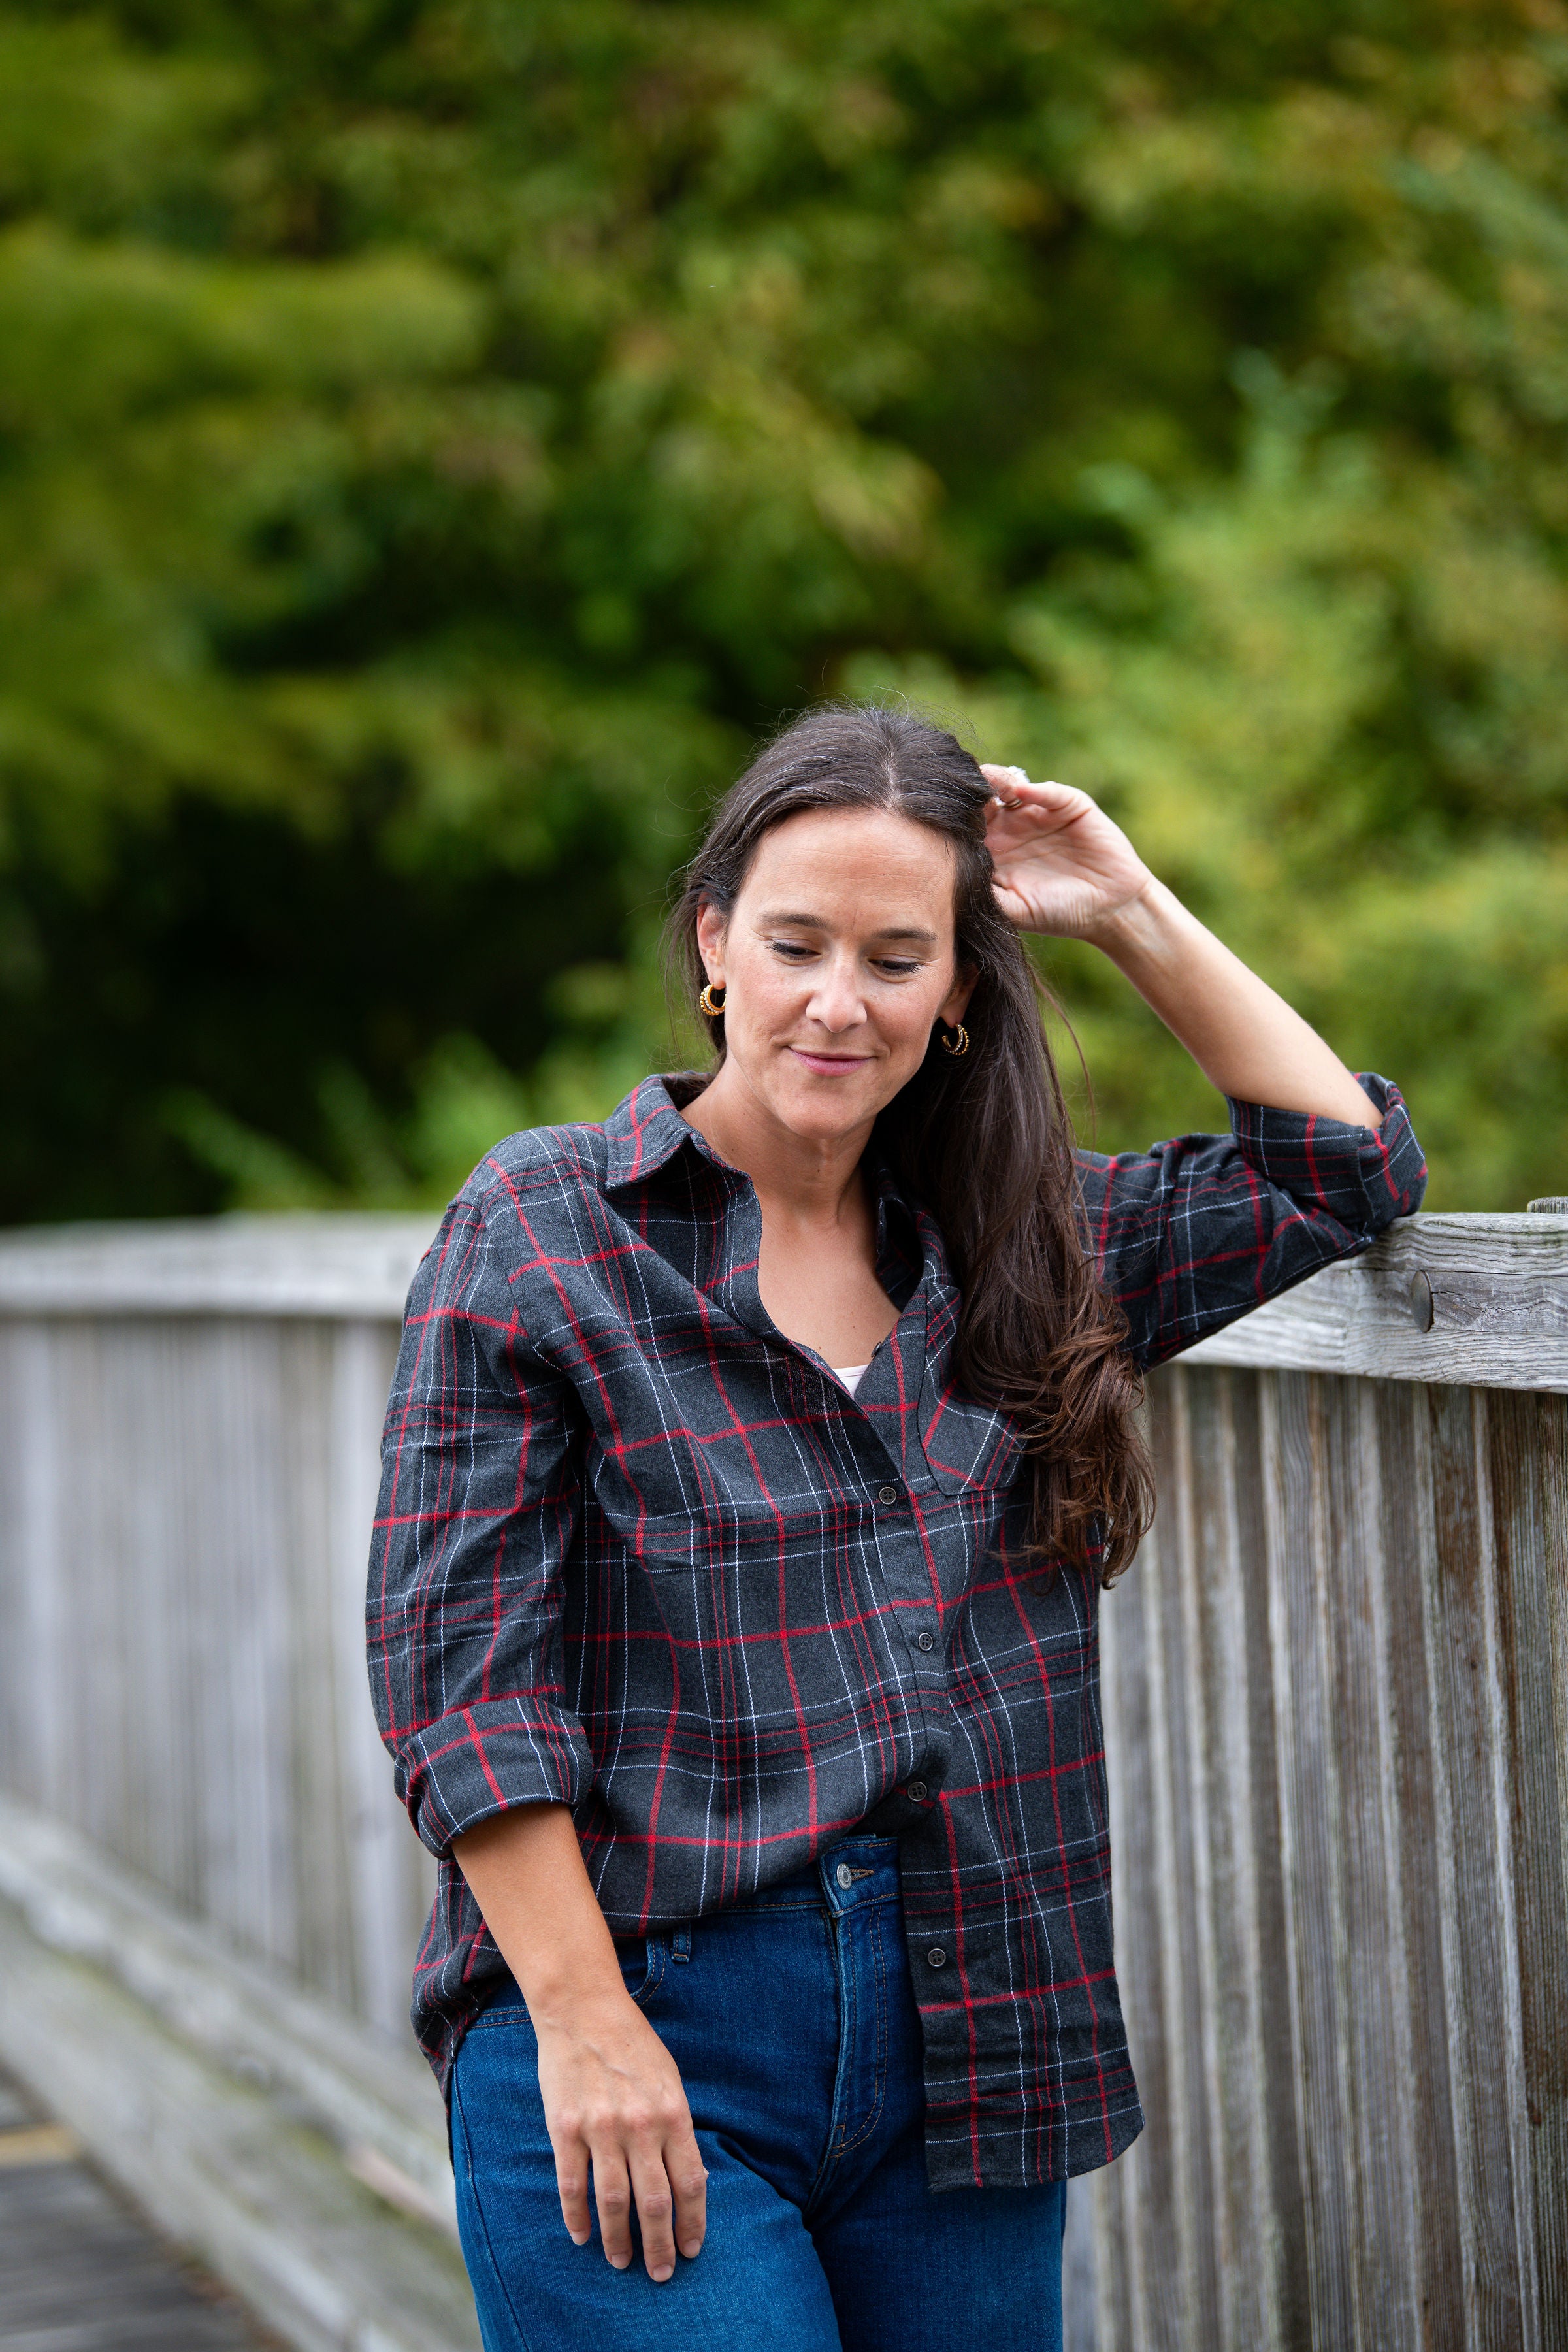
(1133, 2202)
(1182, 2304)
(1299, 1580)
(1415, 2069)
(42, 1740)
(1080, 2319)
(1477, 1956)
(1526, 1453)
(1280, 2155)
(1230, 1960)
(322, 1845)
(390, 1876)
(1372, 1991)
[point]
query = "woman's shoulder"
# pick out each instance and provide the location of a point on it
(522, 1208)
(576, 1157)
(538, 1163)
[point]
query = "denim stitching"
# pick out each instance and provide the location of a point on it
(829, 2154)
(657, 1967)
(499, 2275)
(874, 2115)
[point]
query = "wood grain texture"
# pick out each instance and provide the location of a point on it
(1342, 1658)
(78, 2273)
(185, 1520)
(358, 2087)
(224, 2168)
(327, 1266)
(1498, 1303)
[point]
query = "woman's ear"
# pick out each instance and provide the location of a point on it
(711, 930)
(957, 1002)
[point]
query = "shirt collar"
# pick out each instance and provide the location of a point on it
(647, 1131)
(644, 1132)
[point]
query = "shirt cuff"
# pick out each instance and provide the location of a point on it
(1363, 1177)
(480, 1761)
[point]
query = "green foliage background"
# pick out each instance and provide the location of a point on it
(437, 437)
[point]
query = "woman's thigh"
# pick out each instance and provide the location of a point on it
(911, 2272)
(757, 2281)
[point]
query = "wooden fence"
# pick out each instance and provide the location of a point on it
(190, 1417)
(1336, 1703)
(1336, 1710)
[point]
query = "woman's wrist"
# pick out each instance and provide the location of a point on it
(525, 1870)
(574, 1999)
(1140, 926)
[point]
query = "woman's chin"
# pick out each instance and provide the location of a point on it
(825, 1110)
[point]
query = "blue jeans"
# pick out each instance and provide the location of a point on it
(794, 2028)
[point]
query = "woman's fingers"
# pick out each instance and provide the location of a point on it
(1016, 791)
(615, 2107)
(572, 2180)
(655, 2210)
(689, 2180)
(1027, 816)
(613, 2196)
(666, 2185)
(667, 2189)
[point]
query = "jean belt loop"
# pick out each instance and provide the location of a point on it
(680, 1943)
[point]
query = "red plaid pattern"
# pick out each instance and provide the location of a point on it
(639, 1553)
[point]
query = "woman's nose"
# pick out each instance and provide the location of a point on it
(836, 1002)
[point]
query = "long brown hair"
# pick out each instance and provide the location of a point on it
(981, 1143)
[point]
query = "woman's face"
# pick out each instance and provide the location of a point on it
(836, 960)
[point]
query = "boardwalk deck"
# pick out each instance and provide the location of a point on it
(79, 2271)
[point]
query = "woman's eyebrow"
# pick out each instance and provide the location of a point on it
(816, 923)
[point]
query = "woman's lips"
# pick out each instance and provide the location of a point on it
(830, 1066)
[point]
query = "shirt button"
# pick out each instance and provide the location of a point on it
(886, 1494)
(937, 1957)
(917, 1791)
(925, 1642)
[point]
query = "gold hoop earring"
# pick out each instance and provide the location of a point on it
(706, 1001)
(955, 1041)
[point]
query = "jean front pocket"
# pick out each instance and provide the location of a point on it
(643, 1967)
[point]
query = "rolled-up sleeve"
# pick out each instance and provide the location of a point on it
(1196, 1232)
(479, 1503)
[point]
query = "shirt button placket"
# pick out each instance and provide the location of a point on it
(887, 1496)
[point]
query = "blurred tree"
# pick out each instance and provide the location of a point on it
(436, 436)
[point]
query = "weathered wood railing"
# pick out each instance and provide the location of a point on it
(1336, 1714)
(209, 1897)
(191, 1417)
(1336, 1699)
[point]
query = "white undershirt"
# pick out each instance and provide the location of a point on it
(850, 1374)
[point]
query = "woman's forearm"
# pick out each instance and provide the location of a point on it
(1244, 1038)
(614, 2104)
(528, 1877)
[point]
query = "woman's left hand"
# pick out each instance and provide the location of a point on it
(1061, 865)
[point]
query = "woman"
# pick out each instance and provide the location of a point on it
(753, 1466)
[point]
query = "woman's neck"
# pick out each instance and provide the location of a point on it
(800, 1180)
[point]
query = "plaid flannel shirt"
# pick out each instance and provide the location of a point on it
(639, 1553)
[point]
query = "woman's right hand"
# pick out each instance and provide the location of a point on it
(614, 2102)
(613, 2096)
